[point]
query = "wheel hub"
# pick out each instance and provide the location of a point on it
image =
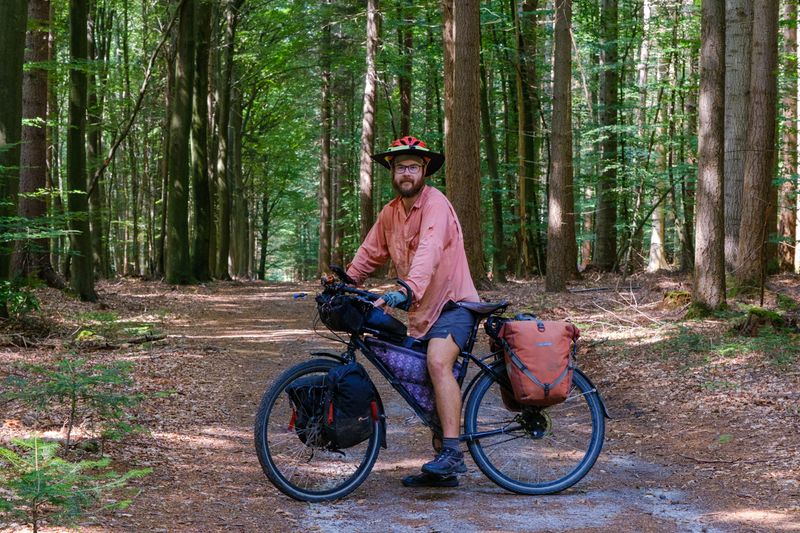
(535, 422)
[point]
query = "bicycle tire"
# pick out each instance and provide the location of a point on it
(305, 472)
(539, 451)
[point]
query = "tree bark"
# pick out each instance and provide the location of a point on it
(449, 54)
(81, 272)
(709, 261)
(324, 252)
(759, 163)
(178, 265)
(13, 18)
(787, 217)
(561, 246)
(605, 246)
(738, 35)
(406, 38)
(34, 254)
(200, 190)
(368, 122)
(463, 168)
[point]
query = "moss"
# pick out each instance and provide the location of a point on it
(677, 299)
(697, 311)
(785, 303)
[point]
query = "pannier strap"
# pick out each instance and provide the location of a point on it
(524, 369)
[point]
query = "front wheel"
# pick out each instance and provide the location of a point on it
(290, 450)
(536, 450)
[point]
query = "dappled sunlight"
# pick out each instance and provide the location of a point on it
(278, 335)
(760, 519)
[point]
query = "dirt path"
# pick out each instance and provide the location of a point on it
(659, 470)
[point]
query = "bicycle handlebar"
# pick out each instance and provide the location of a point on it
(348, 282)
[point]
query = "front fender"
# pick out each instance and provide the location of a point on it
(599, 397)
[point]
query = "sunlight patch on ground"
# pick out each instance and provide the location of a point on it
(764, 520)
(209, 437)
(281, 335)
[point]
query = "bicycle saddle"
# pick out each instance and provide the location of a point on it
(483, 308)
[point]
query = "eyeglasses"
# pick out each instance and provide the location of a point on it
(412, 169)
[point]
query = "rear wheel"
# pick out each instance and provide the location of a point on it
(293, 458)
(535, 450)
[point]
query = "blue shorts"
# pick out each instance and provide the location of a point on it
(455, 321)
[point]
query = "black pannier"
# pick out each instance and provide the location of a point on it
(308, 401)
(350, 406)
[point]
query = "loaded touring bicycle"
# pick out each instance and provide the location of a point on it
(311, 452)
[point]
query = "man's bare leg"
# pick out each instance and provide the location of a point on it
(442, 354)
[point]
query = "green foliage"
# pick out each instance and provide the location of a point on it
(36, 484)
(786, 303)
(18, 297)
(96, 391)
(101, 325)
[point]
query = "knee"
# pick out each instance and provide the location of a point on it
(439, 367)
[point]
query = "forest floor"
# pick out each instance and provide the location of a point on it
(705, 434)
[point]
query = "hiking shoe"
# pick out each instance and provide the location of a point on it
(429, 480)
(447, 463)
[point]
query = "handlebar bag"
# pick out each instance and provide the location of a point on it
(341, 312)
(350, 406)
(538, 355)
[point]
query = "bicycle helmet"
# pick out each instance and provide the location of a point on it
(410, 145)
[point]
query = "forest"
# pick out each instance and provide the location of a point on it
(175, 177)
(199, 140)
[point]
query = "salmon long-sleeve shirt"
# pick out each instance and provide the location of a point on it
(427, 248)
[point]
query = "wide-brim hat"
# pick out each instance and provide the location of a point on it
(411, 146)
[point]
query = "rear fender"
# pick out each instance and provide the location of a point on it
(602, 403)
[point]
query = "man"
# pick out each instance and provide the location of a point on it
(419, 230)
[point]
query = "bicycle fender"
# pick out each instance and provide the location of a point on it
(381, 411)
(599, 397)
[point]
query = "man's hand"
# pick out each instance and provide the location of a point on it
(392, 299)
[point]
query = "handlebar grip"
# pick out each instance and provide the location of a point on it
(405, 306)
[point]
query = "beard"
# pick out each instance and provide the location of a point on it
(408, 192)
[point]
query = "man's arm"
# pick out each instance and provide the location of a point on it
(372, 253)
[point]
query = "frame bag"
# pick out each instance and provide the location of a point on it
(538, 355)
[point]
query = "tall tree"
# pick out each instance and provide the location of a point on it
(200, 185)
(368, 122)
(561, 245)
(34, 255)
(178, 265)
(81, 271)
(787, 216)
(13, 17)
(605, 245)
(325, 212)
(405, 35)
(463, 169)
(709, 258)
(498, 241)
(223, 187)
(759, 163)
(738, 36)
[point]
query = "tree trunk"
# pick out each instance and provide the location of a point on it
(368, 122)
(240, 214)
(709, 261)
(561, 246)
(449, 54)
(524, 266)
(605, 246)
(223, 174)
(463, 167)
(200, 190)
(406, 38)
(34, 254)
(759, 163)
(178, 266)
(81, 274)
(13, 17)
(738, 35)
(787, 217)
(324, 253)
(498, 241)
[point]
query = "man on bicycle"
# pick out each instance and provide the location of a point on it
(420, 232)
